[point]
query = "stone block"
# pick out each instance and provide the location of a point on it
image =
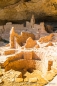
(18, 79)
(18, 74)
(25, 79)
(14, 74)
(33, 79)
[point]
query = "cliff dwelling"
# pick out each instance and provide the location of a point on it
(28, 43)
(29, 52)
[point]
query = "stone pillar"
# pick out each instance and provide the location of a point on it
(12, 45)
(32, 21)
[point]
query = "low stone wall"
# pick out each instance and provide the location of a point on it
(9, 52)
(20, 65)
(46, 38)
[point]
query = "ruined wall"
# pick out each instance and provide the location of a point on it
(20, 39)
(46, 38)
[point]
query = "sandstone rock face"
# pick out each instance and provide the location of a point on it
(23, 9)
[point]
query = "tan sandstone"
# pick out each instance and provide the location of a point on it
(30, 43)
(46, 38)
(20, 64)
(9, 52)
(18, 79)
(33, 79)
(49, 44)
(37, 46)
(28, 55)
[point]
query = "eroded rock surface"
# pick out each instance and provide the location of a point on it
(22, 9)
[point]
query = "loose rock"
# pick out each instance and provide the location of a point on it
(18, 79)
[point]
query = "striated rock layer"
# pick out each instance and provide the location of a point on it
(15, 10)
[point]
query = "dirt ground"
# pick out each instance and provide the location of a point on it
(9, 80)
